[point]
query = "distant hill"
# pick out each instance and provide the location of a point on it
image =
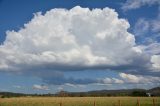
(155, 91)
(121, 92)
(10, 94)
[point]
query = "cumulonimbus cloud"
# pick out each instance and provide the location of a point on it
(75, 39)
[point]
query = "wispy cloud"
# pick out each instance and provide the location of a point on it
(40, 87)
(129, 78)
(134, 4)
(17, 86)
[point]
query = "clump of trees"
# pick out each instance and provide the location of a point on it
(139, 93)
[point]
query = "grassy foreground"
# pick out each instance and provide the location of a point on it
(79, 101)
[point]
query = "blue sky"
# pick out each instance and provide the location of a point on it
(136, 67)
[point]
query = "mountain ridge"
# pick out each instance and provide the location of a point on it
(120, 92)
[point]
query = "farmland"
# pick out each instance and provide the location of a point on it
(79, 101)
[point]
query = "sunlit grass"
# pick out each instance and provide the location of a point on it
(78, 101)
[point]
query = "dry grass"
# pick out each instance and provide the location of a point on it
(78, 101)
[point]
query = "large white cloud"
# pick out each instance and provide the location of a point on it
(77, 37)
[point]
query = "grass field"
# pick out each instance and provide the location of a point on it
(79, 101)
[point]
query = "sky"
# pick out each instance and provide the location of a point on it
(79, 45)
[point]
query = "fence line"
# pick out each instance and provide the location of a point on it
(154, 102)
(119, 103)
(94, 104)
(138, 103)
(60, 104)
